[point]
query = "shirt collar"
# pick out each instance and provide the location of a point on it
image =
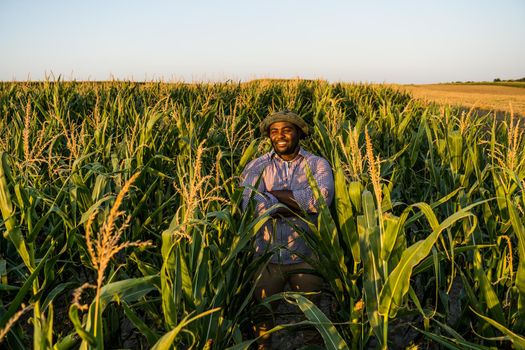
(302, 154)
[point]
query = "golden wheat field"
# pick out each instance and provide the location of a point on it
(483, 97)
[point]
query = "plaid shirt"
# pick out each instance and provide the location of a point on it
(277, 174)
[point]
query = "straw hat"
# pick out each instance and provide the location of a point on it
(283, 116)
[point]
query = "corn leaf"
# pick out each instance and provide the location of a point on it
(517, 340)
(519, 230)
(167, 340)
(332, 338)
(397, 283)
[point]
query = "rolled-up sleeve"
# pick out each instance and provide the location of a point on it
(263, 199)
(322, 173)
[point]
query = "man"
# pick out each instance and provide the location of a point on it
(283, 179)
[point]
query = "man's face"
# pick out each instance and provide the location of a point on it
(285, 139)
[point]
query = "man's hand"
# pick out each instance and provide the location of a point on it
(286, 197)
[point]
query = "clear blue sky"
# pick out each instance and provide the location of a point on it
(374, 41)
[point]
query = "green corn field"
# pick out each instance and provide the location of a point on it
(120, 202)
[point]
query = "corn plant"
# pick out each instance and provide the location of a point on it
(423, 238)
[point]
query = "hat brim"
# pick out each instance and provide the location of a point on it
(288, 117)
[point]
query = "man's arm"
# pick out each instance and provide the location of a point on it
(286, 197)
(251, 181)
(322, 173)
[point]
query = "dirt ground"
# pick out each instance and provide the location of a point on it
(481, 97)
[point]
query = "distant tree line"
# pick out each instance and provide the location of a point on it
(498, 80)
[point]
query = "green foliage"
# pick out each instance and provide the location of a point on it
(454, 268)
